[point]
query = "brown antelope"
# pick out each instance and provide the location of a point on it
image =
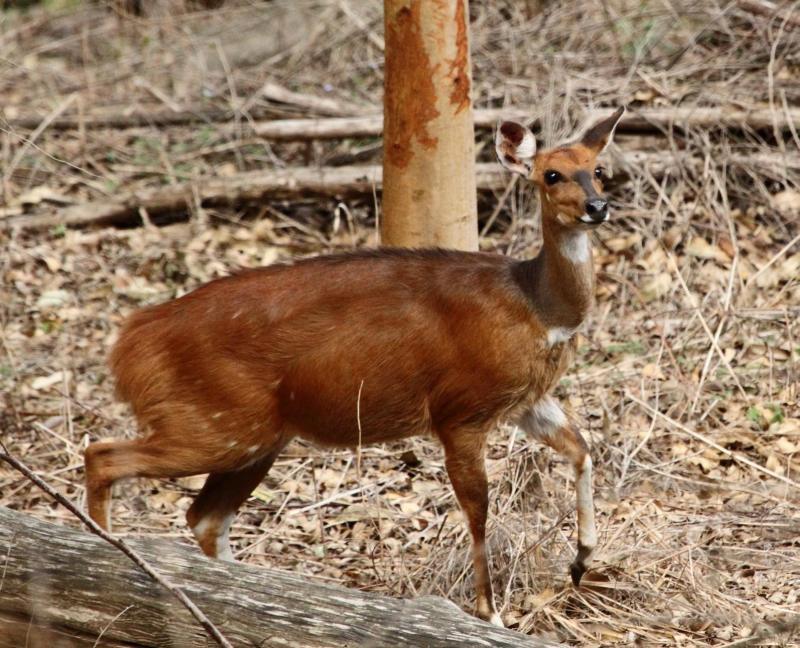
(367, 347)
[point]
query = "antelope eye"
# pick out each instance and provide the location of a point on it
(599, 173)
(551, 177)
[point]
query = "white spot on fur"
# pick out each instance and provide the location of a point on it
(575, 247)
(233, 444)
(201, 527)
(217, 415)
(544, 419)
(236, 314)
(253, 449)
(559, 334)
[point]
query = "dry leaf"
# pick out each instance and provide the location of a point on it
(657, 286)
(45, 382)
(651, 370)
(702, 249)
(52, 299)
(787, 201)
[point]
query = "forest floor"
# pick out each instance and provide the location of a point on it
(686, 382)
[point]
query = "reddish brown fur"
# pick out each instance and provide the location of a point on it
(368, 346)
(419, 333)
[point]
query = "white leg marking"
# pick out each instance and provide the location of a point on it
(559, 334)
(575, 246)
(223, 540)
(223, 546)
(496, 620)
(544, 419)
(107, 516)
(587, 534)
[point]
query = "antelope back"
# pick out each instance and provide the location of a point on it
(367, 346)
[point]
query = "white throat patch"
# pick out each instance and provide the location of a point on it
(575, 247)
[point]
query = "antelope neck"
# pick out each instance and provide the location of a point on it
(559, 281)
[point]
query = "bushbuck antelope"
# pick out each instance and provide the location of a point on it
(368, 347)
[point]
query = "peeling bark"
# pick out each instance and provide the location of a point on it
(429, 149)
(459, 66)
(408, 85)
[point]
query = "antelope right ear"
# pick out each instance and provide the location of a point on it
(600, 134)
(515, 146)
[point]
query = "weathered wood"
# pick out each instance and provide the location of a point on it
(303, 182)
(25, 630)
(80, 586)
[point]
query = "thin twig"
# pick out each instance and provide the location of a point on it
(704, 439)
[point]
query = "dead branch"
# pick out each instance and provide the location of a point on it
(769, 10)
(304, 182)
(311, 103)
(647, 120)
(653, 120)
(139, 119)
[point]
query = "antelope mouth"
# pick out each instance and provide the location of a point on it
(593, 221)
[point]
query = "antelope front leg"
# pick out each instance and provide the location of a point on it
(587, 533)
(547, 423)
(464, 459)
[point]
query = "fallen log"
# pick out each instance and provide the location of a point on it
(339, 182)
(138, 119)
(634, 121)
(643, 120)
(68, 588)
(240, 188)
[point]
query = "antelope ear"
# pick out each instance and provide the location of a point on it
(515, 146)
(599, 135)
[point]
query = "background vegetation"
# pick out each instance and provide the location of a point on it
(687, 379)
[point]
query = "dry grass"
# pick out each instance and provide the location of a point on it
(687, 378)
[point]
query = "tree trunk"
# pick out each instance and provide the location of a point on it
(64, 588)
(429, 197)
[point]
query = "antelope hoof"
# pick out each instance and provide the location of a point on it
(576, 570)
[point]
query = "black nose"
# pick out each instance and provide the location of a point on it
(597, 209)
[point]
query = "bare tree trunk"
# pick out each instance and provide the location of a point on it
(429, 142)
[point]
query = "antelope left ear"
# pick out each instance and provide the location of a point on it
(515, 146)
(600, 134)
